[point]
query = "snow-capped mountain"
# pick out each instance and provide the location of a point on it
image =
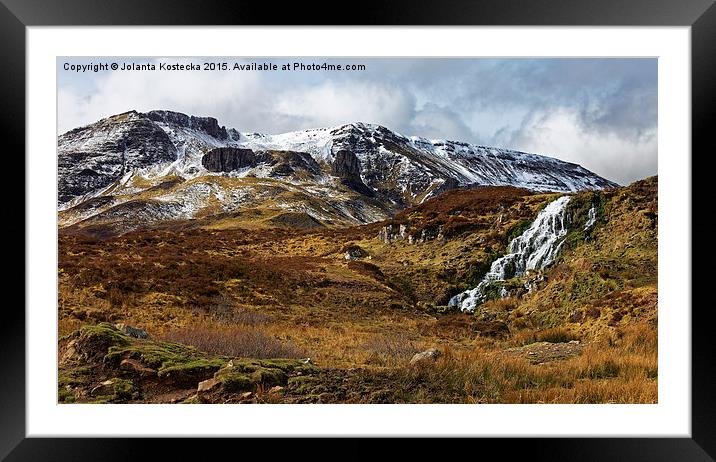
(171, 165)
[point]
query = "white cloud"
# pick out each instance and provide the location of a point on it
(222, 94)
(560, 134)
(336, 103)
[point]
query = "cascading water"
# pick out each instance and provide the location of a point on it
(591, 218)
(535, 248)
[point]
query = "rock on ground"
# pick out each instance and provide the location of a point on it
(428, 355)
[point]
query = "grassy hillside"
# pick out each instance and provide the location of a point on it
(360, 301)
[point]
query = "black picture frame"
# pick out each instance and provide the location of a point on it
(700, 15)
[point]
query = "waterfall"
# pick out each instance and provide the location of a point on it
(591, 218)
(535, 248)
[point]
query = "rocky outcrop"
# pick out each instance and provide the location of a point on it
(399, 232)
(228, 159)
(280, 163)
(291, 164)
(101, 363)
(393, 232)
(209, 125)
(346, 166)
(426, 234)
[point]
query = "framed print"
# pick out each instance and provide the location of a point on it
(471, 222)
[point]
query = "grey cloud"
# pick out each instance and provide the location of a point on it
(433, 121)
(611, 95)
(581, 110)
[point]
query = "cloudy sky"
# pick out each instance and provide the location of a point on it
(600, 113)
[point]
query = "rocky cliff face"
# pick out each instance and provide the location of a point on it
(276, 164)
(228, 159)
(346, 166)
(291, 164)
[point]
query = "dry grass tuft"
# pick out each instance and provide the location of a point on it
(236, 341)
(553, 335)
(390, 349)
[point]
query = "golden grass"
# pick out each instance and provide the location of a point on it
(622, 373)
(552, 335)
(234, 341)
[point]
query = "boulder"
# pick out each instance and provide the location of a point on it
(134, 366)
(430, 355)
(104, 388)
(132, 331)
(354, 252)
(208, 385)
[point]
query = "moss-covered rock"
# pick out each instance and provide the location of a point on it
(192, 371)
(152, 354)
(248, 374)
(106, 375)
(233, 381)
(124, 389)
(304, 384)
(64, 395)
(69, 380)
(92, 342)
(179, 363)
(270, 377)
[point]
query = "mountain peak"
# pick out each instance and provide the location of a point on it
(209, 125)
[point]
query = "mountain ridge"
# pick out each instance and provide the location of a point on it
(351, 173)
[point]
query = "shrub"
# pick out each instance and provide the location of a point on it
(236, 341)
(394, 347)
(554, 335)
(223, 309)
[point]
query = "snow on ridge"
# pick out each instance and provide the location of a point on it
(316, 142)
(415, 165)
(319, 143)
